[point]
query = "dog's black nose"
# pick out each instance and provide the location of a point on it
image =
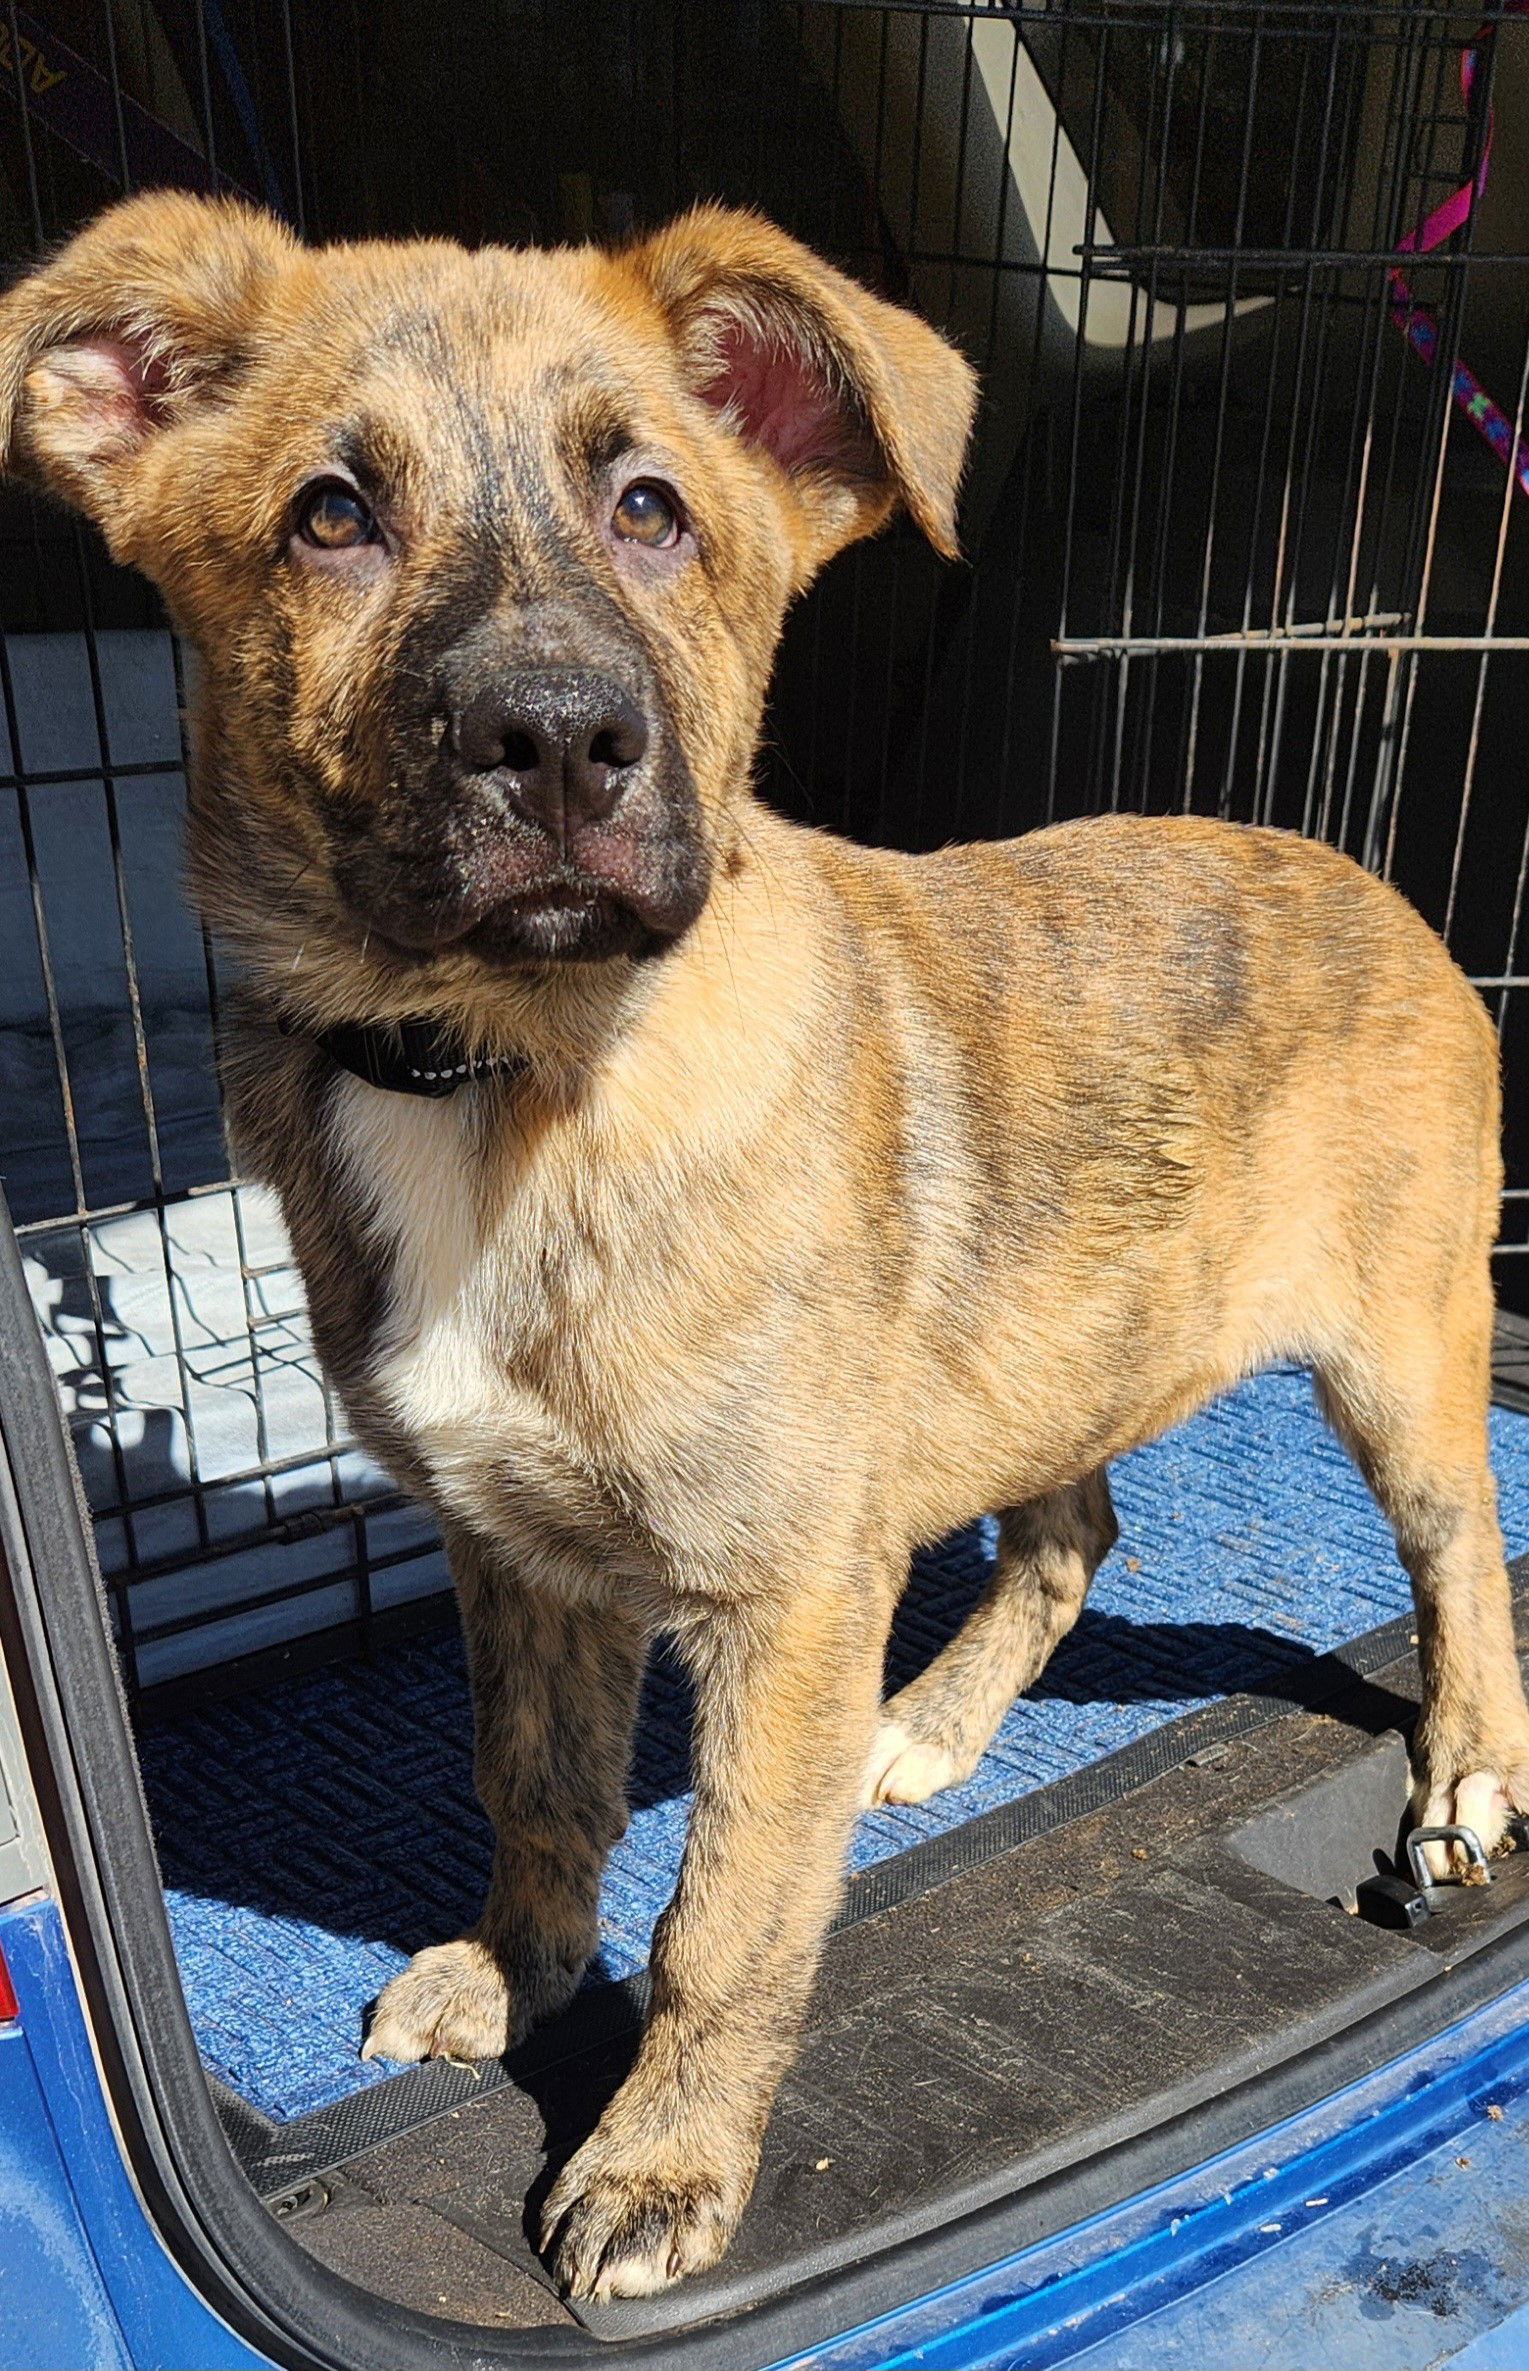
(562, 739)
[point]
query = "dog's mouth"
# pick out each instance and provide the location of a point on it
(572, 917)
(564, 921)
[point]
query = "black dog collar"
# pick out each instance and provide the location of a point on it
(408, 1057)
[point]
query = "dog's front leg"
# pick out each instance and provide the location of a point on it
(554, 1698)
(787, 1699)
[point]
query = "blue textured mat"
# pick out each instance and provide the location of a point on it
(314, 1835)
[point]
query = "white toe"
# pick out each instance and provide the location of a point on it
(1477, 1802)
(1480, 1803)
(903, 1769)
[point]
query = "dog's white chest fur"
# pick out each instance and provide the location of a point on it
(463, 1287)
(411, 1160)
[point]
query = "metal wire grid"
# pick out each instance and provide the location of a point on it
(1257, 566)
(1231, 547)
(341, 1500)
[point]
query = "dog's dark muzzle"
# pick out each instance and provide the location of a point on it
(554, 820)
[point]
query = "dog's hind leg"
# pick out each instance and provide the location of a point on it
(935, 1731)
(1410, 1404)
(554, 1690)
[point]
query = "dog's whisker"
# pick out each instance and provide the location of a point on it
(766, 875)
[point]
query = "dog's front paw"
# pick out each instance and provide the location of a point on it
(614, 2227)
(453, 2001)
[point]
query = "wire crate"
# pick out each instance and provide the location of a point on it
(1237, 543)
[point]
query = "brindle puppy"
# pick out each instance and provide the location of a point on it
(802, 1201)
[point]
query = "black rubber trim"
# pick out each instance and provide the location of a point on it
(52, 1626)
(816, 2311)
(279, 2156)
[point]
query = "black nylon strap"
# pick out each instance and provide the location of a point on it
(409, 1057)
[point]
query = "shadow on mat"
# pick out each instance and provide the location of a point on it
(344, 1800)
(1110, 1659)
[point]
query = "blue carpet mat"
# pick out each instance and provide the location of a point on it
(314, 1835)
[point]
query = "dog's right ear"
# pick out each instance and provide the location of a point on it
(121, 335)
(860, 404)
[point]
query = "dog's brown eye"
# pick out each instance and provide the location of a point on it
(645, 514)
(335, 517)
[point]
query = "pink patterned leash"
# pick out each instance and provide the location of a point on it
(1419, 324)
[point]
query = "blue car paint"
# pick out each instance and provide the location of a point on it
(1504, 2349)
(54, 2309)
(1180, 2275)
(1102, 2292)
(1400, 2276)
(126, 2301)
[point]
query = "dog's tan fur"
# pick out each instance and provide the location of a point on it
(892, 1191)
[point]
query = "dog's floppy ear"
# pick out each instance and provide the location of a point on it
(859, 402)
(121, 334)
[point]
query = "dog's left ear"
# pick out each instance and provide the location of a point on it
(141, 318)
(860, 403)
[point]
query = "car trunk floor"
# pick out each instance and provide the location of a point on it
(1010, 2021)
(1024, 1965)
